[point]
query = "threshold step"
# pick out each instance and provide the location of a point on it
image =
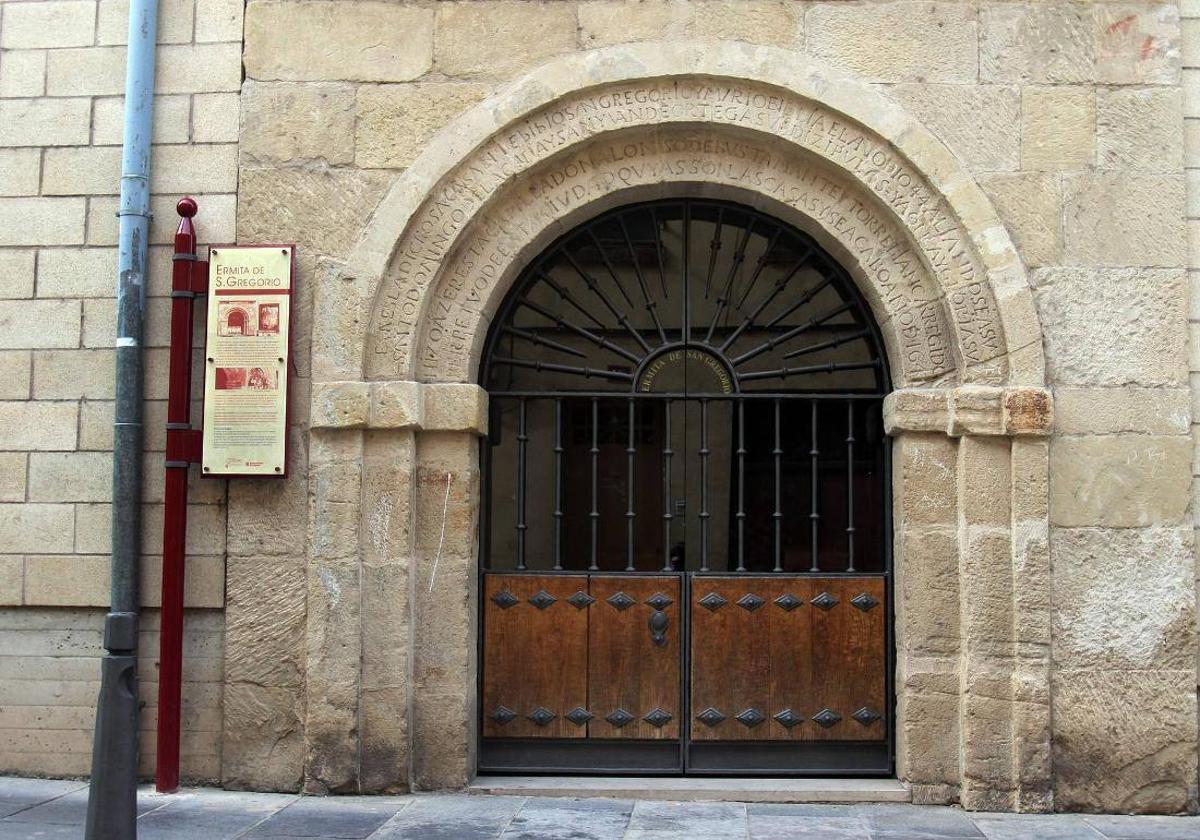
(694, 789)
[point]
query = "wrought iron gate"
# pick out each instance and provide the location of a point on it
(687, 523)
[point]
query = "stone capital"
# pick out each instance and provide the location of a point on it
(400, 404)
(975, 410)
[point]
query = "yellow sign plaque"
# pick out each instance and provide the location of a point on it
(246, 360)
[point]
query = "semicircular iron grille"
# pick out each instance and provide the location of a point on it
(685, 296)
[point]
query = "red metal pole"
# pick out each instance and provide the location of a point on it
(178, 457)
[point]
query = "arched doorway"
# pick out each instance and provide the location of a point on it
(686, 541)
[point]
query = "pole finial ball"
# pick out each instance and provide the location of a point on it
(187, 207)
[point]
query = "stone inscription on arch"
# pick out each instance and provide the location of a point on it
(887, 186)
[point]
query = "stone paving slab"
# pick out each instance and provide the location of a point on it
(50, 810)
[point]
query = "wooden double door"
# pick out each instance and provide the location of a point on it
(685, 672)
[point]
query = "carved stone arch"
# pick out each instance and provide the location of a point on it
(395, 412)
(783, 102)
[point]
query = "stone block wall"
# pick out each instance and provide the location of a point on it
(62, 76)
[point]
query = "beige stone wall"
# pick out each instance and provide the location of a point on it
(62, 70)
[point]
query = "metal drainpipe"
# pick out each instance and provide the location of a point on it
(112, 800)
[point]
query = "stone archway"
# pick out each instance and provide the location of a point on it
(396, 413)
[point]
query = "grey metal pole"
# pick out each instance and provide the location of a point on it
(112, 799)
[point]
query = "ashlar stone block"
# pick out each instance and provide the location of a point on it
(1137, 128)
(59, 23)
(1120, 481)
(1043, 43)
(1058, 127)
(500, 38)
(1137, 43)
(289, 122)
(1117, 218)
(1082, 310)
(980, 123)
(328, 41)
(1030, 205)
(394, 122)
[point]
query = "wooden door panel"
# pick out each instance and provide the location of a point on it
(807, 666)
(534, 657)
(627, 670)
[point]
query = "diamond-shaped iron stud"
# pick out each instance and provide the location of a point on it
(541, 716)
(750, 718)
(579, 716)
(710, 717)
(824, 601)
(866, 716)
(712, 602)
(581, 600)
(503, 715)
(788, 602)
(621, 601)
(750, 602)
(505, 599)
(542, 599)
(619, 718)
(826, 718)
(788, 718)
(864, 601)
(659, 601)
(658, 717)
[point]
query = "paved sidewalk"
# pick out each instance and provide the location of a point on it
(32, 808)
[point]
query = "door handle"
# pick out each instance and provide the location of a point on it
(658, 627)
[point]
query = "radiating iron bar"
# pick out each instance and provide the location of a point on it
(588, 334)
(739, 256)
(799, 302)
(714, 248)
(522, 475)
(658, 250)
(778, 287)
(814, 517)
(608, 266)
(704, 485)
(594, 288)
(578, 371)
(758, 268)
(849, 486)
(565, 294)
(667, 453)
(825, 345)
(773, 342)
(777, 516)
(536, 339)
(630, 512)
(828, 367)
(651, 305)
(595, 453)
(558, 477)
(741, 511)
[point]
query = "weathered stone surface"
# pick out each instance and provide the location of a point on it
(1083, 309)
(931, 42)
(15, 367)
(394, 122)
(321, 40)
(500, 38)
(1028, 411)
(290, 122)
(1137, 43)
(928, 602)
(980, 123)
(925, 486)
(1030, 205)
(13, 466)
(455, 407)
(1125, 599)
(37, 528)
(396, 405)
(1119, 481)
(263, 743)
(264, 622)
(326, 209)
(340, 404)
(1058, 128)
(1037, 42)
(1105, 411)
(1136, 129)
(1125, 741)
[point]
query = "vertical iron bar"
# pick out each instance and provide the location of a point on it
(595, 453)
(686, 333)
(558, 466)
(741, 511)
(704, 485)
(850, 485)
(815, 516)
(667, 515)
(522, 441)
(630, 513)
(777, 452)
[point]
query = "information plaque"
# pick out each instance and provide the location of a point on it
(246, 360)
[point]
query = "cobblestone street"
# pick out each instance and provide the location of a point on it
(31, 809)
